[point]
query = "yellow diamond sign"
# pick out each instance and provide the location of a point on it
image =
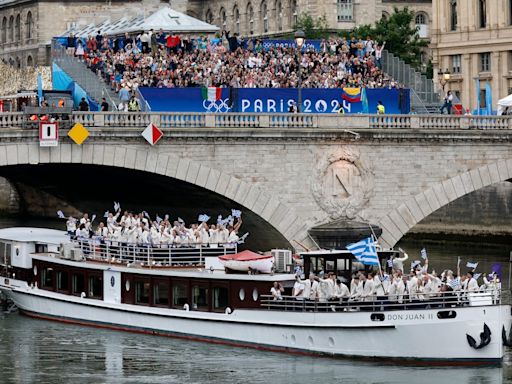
(78, 133)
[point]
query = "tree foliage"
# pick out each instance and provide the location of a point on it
(312, 28)
(400, 34)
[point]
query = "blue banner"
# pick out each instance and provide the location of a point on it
(63, 82)
(274, 100)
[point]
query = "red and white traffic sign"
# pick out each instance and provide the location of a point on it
(152, 134)
(48, 134)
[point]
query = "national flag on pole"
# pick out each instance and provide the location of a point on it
(471, 265)
(365, 251)
(423, 253)
(211, 93)
(352, 95)
(152, 134)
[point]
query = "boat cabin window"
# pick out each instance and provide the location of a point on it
(62, 281)
(41, 248)
(220, 298)
(77, 284)
(179, 294)
(95, 286)
(142, 292)
(200, 297)
(5, 253)
(161, 293)
(47, 278)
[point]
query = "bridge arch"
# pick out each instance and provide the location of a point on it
(398, 221)
(254, 198)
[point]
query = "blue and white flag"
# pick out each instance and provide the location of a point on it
(146, 214)
(364, 251)
(158, 219)
(385, 277)
(471, 265)
(454, 283)
(236, 213)
(93, 218)
(415, 263)
(219, 219)
(106, 214)
(117, 206)
(423, 253)
(60, 214)
(477, 275)
(203, 218)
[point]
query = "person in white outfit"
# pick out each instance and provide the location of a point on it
(310, 287)
(398, 262)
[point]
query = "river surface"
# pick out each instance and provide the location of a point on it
(36, 351)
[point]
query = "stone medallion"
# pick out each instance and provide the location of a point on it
(343, 183)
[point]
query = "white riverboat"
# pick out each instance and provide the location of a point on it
(180, 293)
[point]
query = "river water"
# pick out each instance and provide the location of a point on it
(36, 351)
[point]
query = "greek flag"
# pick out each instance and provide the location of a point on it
(203, 218)
(471, 265)
(158, 219)
(423, 253)
(477, 275)
(106, 214)
(117, 206)
(236, 213)
(454, 283)
(364, 251)
(61, 215)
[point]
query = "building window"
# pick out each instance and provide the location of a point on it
(11, 29)
(456, 63)
(30, 61)
(279, 14)
(4, 30)
(485, 62)
(77, 284)
(62, 281)
(179, 295)
(220, 298)
(17, 30)
(421, 24)
(482, 13)
(209, 17)
(30, 25)
(420, 19)
(200, 298)
(161, 293)
(453, 15)
(223, 19)
(250, 19)
(236, 14)
(264, 16)
(293, 13)
(345, 10)
(95, 287)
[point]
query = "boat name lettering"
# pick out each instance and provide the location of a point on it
(410, 316)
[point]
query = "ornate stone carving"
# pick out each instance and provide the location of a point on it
(343, 183)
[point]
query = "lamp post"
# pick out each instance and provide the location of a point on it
(300, 39)
(444, 77)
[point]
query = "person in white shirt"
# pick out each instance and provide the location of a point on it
(341, 291)
(356, 288)
(310, 287)
(472, 285)
(368, 287)
(298, 289)
(71, 225)
(276, 291)
(398, 262)
(326, 287)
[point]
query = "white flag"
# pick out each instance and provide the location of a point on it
(471, 265)
(236, 213)
(60, 214)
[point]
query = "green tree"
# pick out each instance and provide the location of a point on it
(399, 33)
(313, 29)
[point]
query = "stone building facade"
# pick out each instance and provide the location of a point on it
(277, 17)
(27, 26)
(472, 39)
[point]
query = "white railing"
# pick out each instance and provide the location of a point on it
(116, 120)
(164, 255)
(449, 299)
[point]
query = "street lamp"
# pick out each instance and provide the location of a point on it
(300, 39)
(444, 77)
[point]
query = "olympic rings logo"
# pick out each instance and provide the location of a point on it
(217, 106)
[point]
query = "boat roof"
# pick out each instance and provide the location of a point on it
(34, 235)
(187, 273)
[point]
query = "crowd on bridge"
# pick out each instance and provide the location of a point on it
(138, 229)
(391, 286)
(159, 59)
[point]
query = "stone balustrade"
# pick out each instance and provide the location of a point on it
(260, 120)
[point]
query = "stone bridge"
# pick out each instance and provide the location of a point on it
(291, 172)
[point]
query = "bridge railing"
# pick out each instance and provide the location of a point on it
(112, 120)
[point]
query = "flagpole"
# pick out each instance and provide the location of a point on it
(375, 240)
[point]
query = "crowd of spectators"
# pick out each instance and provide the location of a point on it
(158, 59)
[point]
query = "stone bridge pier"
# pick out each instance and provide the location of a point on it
(295, 176)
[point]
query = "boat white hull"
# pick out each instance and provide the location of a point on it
(411, 334)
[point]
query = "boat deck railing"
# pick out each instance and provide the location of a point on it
(452, 299)
(150, 255)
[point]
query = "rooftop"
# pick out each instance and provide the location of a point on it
(34, 235)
